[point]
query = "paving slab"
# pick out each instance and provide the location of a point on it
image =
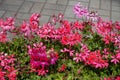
(37, 0)
(37, 7)
(24, 16)
(50, 12)
(105, 4)
(64, 2)
(95, 4)
(52, 1)
(2, 13)
(12, 2)
(22, 9)
(69, 12)
(9, 7)
(26, 7)
(9, 14)
(54, 6)
(44, 19)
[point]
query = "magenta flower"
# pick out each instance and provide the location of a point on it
(40, 60)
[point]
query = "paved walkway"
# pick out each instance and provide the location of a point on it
(22, 9)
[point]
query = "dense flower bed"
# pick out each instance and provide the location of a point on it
(60, 49)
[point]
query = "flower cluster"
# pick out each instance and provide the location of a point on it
(6, 26)
(29, 29)
(65, 50)
(111, 78)
(82, 11)
(40, 60)
(92, 58)
(116, 57)
(7, 69)
(67, 34)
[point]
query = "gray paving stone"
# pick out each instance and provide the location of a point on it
(24, 16)
(105, 4)
(72, 3)
(9, 14)
(1, 13)
(70, 19)
(44, 19)
(54, 6)
(106, 18)
(37, 7)
(115, 2)
(64, 2)
(13, 2)
(52, 1)
(69, 12)
(101, 12)
(115, 8)
(115, 16)
(9, 7)
(80, 0)
(94, 4)
(37, 0)
(26, 7)
(50, 12)
(0, 1)
(18, 22)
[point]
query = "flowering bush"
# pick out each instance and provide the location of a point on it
(60, 49)
(7, 64)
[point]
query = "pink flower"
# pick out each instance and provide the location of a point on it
(2, 75)
(117, 25)
(117, 78)
(77, 25)
(71, 39)
(3, 37)
(77, 58)
(65, 50)
(80, 11)
(42, 72)
(118, 54)
(7, 67)
(114, 60)
(12, 75)
(8, 24)
(34, 22)
(25, 29)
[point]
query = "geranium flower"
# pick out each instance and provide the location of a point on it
(3, 37)
(62, 68)
(40, 60)
(34, 21)
(8, 24)
(80, 10)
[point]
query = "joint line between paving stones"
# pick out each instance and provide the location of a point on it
(100, 4)
(43, 8)
(110, 10)
(31, 7)
(66, 7)
(19, 9)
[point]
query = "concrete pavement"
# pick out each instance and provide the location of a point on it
(22, 9)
